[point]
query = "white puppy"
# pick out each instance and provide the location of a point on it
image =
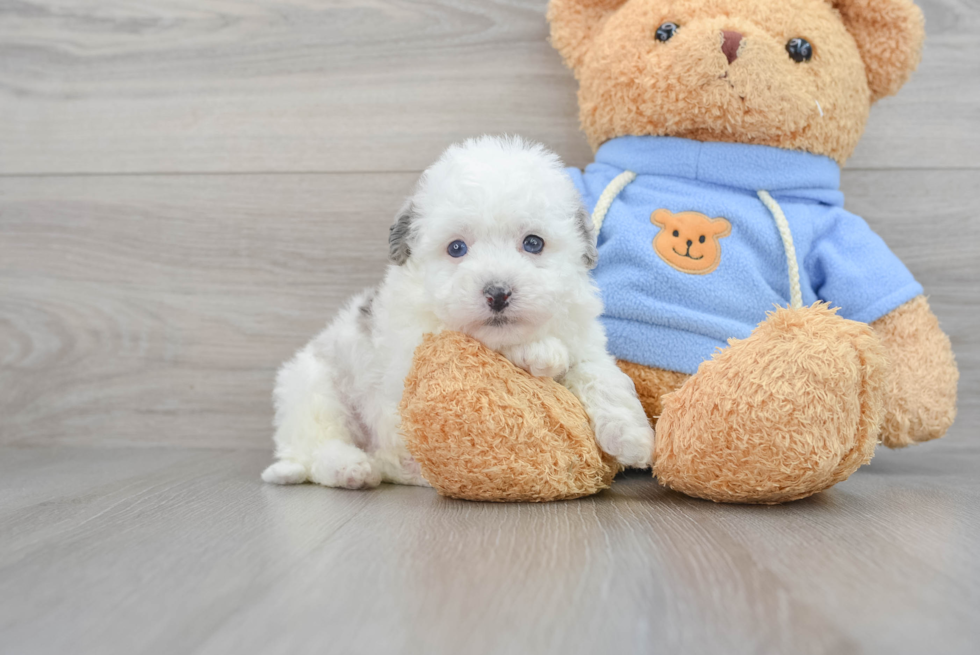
(493, 243)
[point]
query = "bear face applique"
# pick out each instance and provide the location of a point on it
(689, 241)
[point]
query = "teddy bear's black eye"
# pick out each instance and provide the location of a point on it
(701, 239)
(665, 31)
(799, 50)
(676, 233)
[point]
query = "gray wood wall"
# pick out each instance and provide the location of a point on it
(189, 189)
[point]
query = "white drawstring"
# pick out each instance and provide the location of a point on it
(609, 194)
(795, 294)
(620, 182)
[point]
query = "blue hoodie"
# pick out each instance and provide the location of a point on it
(661, 315)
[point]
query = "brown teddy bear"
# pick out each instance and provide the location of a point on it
(720, 126)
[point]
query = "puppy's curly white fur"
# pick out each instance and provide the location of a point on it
(493, 243)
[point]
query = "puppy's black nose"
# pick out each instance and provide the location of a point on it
(689, 243)
(497, 297)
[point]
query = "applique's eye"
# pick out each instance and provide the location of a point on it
(676, 233)
(533, 244)
(456, 249)
(701, 239)
(666, 31)
(799, 50)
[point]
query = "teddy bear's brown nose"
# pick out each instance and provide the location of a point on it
(730, 44)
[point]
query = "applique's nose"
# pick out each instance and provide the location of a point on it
(689, 243)
(730, 43)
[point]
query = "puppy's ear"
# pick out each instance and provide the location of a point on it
(400, 234)
(889, 36)
(586, 228)
(575, 23)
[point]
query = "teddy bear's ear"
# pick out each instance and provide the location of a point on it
(889, 35)
(574, 23)
(660, 217)
(720, 227)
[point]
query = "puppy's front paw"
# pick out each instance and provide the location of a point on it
(340, 464)
(626, 438)
(547, 358)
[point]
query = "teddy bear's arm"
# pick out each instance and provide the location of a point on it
(921, 400)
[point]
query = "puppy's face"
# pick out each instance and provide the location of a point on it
(498, 238)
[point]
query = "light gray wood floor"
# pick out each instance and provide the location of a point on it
(188, 191)
(172, 550)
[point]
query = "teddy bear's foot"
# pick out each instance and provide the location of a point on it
(789, 411)
(482, 429)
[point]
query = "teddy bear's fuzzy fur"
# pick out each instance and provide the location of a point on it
(482, 429)
(724, 448)
(799, 404)
(632, 84)
(919, 395)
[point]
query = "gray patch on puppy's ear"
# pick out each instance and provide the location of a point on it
(586, 228)
(399, 234)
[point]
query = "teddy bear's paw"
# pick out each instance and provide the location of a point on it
(546, 358)
(626, 437)
(790, 411)
(920, 403)
(340, 464)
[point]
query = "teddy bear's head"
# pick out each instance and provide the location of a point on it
(797, 74)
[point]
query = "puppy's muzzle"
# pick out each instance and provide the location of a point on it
(497, 296)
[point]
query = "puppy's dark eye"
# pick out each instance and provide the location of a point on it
(799, 50)
(666, 31)
(676, 233)
(456, 249)
(533, 244)
(701, 239)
